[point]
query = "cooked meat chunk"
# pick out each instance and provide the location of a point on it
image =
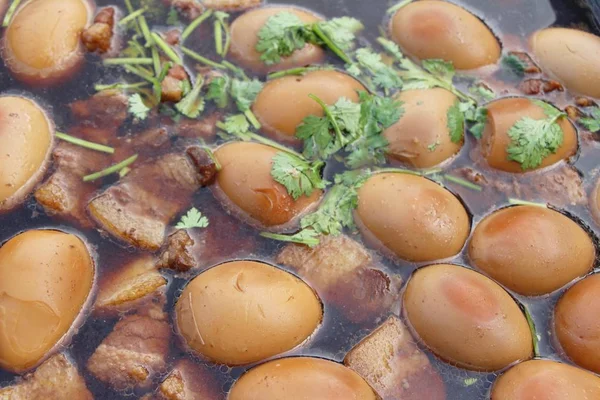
(205, 128)
(139, 207)
(194, 248)
(106, 109)
(98, 36)
(146, 141)
(55, 379)
(343, 272)
(64, 193)
(134, 352)
(129, 287)
(390, 361)
(188, 381)
(189, 9)
(539, 86)
(231, 5)
(171, 88)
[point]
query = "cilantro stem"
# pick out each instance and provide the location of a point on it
(129, 6)
(111, 170)
(238, 71)
(123, 86)
(84, 143)
(263, 140)
(534, 336)
(329, 43)
(213, 158)
(156, 60)
(330, 116)
(145, 30)
(398, 6)
(295, 71)
(463, 182)
(199, 58)
(195, 24)
(252, 118)
(124, 172)
(517, 202)
(169, 52)
(11, 10)
(133, 70)
(227, 38)
(431, 171)
(218, 32)
(309, 241)
(132, 16)
(398, 171)
(131, 10)
(127, 61)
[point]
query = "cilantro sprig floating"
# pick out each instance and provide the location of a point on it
(591, 121)
(532, 140)
(284, 33)
(192, 219)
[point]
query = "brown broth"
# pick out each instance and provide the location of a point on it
(511, 20)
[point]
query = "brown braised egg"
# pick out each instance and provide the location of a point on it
(283, 103)
(246, 186)
(45, 279)
(466, 318)
(432, 29)
(531, 250)
(501, 116)
(547, 380)
(301, 378)
(577, 325)
(571, 56)
(242, 312)
(41, 45)
(411, 217)
(26, 136)
(244, 37)
(421, 138)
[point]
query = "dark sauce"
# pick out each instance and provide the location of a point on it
(511, 20)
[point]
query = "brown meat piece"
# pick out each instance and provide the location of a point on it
(561, 186)
(173, 36)
(139, 207)
(189, 381)
(584, 102)
(134, 352)
(55, 379)
(130, 287)
(231, 5)
(189, 9)
(539, 86)
(199, 248)
(98, 37)
(343, 272)
(64, 193)
(390, 361)
(205, 128)
(171, 86)
(106, 109)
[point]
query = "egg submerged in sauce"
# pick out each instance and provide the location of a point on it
(45, 279)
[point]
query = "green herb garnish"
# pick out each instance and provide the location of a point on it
(192, 219)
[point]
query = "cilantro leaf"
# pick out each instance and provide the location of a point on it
(235, 127)
(280, 36)
(441, 69)
(342, 31)
(173, 17)
(299, 176)
(384, 76)
(533, 140)
(192, 219)
(316, 134)
(455, 122)
(513, 63)
(218, 91)
(480, 119)
(347, 113)
(192, 104)
(137, 107)
(483, 92)
(592, 122)
(244, 92)
(308, 237)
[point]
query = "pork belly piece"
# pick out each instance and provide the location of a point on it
(55, 379)
(205, 128)
(139, 207)
(106, 109)
(188, 381)
(130, 287)
(135, 351)
(189, 9)
(200, 248)
(390, 361)
(343, 272)
(64, 193)
(171, 89)
(231, 5)
(98, 36)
